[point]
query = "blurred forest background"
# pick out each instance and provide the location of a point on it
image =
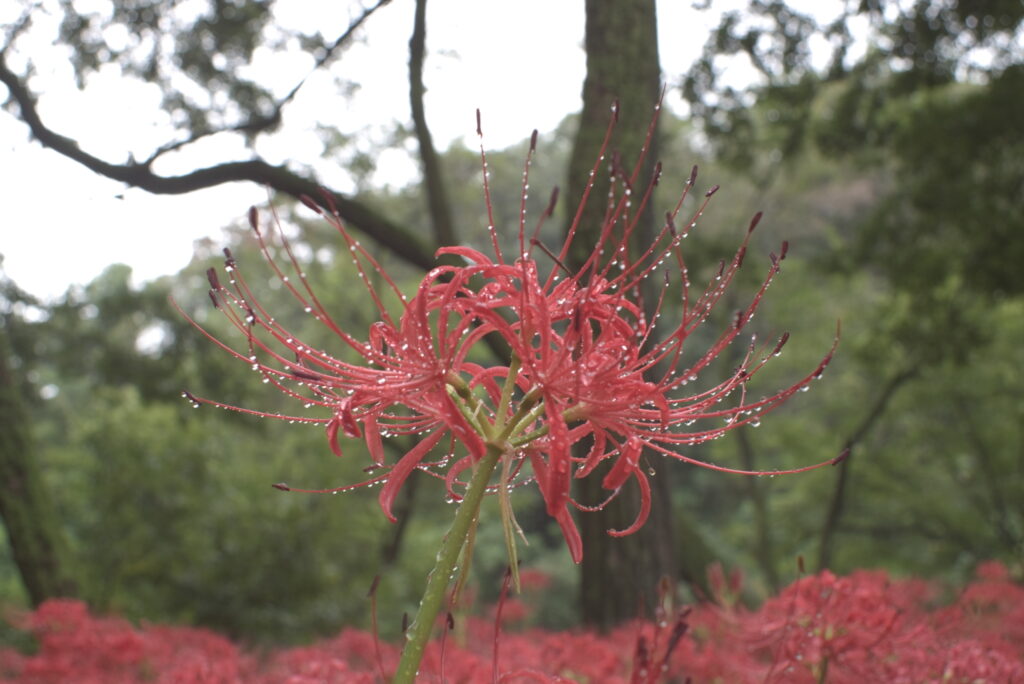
(897, 177)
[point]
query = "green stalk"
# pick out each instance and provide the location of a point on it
(437, 581)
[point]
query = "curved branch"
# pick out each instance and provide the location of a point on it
(268, 122)
(433, 179)
(331, 51)
(399, 240)
(837, 505)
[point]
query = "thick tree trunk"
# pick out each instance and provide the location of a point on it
(619, 576)
(35, 538)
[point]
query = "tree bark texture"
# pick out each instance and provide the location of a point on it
(32, 529)
(618, 576)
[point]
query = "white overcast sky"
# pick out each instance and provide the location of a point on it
(520, 62)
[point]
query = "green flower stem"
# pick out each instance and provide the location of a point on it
(437, 581)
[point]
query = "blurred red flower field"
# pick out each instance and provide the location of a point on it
(864, 627)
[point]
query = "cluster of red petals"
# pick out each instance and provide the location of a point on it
(591, 358)
(76, 646)
(864, 627)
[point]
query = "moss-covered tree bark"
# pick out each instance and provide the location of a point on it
(32, 529)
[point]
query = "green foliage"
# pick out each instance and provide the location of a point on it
(898, 176)
(169, 510)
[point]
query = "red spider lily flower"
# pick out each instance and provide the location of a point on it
(399, 386)
(588, 360)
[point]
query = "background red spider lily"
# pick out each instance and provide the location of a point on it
(862, 627)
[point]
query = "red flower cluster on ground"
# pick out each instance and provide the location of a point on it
(861, 628)
(586, 359)
(75, 646)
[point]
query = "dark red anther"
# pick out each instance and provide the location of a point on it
(670, 224)
(781, 343)
(552, 202)
(800, 564)
(254, 218)
(678, 631)
(693, 175)
(310, 202)
(282, 486)
(373, 586)
(738, 321)
(213, 298)
(721, 269)
(188, 395)
(712, 191)
(211, 275)
(303, 375)
(534, 242)
(577, 327)
(229, 258)
(754, 221)
(785, 248)
(845, 454)
(479, 131)
(533, 141)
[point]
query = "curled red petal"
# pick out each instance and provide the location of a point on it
(596, 454)
(626, 464)
(401, 471)
(373, 440)
(645, 506)
(348, 419)
(454, 470)
(467, 253)
(559, 458)
(332, 435)
(571, 534)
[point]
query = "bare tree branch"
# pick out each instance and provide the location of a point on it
(331, 52)
(835, 510)
(404, 243)
(437, 196)
(269, 122)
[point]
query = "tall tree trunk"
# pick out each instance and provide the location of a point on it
(32, 529)
(619, 576)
